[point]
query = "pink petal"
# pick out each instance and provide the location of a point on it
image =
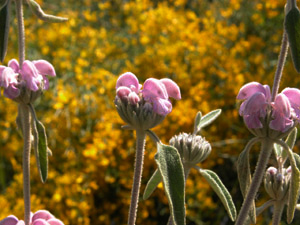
(251, 88)
(153, 88)
(281, 114)
(293, 94)
(11, 92)
(128, 80)
(133, 98)
(42, 214)
(1, 70)
(252, 121)
(10, 220)
(162, 106)
(172, 88)
(30, 75)
(44, 67)
(40, 222)
(256, 103)
(123, 92)
(14, 65)
(55, 222)
(7, 76)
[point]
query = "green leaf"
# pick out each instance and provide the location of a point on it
(217, 185)
(171, 169)
(209, 118)
(197, 122)
(37, 10)
(42, 150)
(277, 150)
(290, 141)
(3, 3)
(4, 30)
(292, 27)
(294, 185)
(152, 184)
(244, 176)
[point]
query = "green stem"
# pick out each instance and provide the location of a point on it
(138, 168)
(266, 150)
(26, 128)
(21, 31)
(278, 209)
(280, 64)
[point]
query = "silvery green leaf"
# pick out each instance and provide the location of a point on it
(197, 122)
(224, 195)
(152, 184)
(171, 170)
(244, 177)
(37, 10)
(208, 118)
(292, 27)
(294, 185)
(277, 150)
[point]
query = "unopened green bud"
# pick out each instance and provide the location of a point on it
(192, 148)
(139, 115)
(277, 184)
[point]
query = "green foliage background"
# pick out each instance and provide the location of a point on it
(210, 48)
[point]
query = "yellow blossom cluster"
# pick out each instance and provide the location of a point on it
(209, 48)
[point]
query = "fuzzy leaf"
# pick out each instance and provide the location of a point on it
(244, 176)
(294, 185)
(152, 184)
(209, 118)
(197, 122)
(37, 10)
(217, 185)
(277, 150)
(42, 151)
(3, 3)
(171, 169)
(292, 27)
(4, 30)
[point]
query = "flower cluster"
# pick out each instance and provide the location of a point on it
(192, 148)
(30, 74)
(276, 182)
(41, 217)
(156, 92)
(144, 108)
(257, 105)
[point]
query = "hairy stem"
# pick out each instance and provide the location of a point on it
(21, 31)
(138, 169)
(266, 149)
(278, 209)
(280, 65)
(26, 128)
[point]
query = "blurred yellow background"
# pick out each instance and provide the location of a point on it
(209, 47)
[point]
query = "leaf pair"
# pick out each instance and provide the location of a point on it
(204, 121)
(171, 172)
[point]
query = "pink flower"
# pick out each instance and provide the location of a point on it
(257, 102)
(33, 73)
(257, 98)
(41, 217)
(156, 92)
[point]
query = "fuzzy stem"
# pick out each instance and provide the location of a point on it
(281, 61)
(26, 128)
(138, 168)
(21, 31)
(266, 150)
(278, 209)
